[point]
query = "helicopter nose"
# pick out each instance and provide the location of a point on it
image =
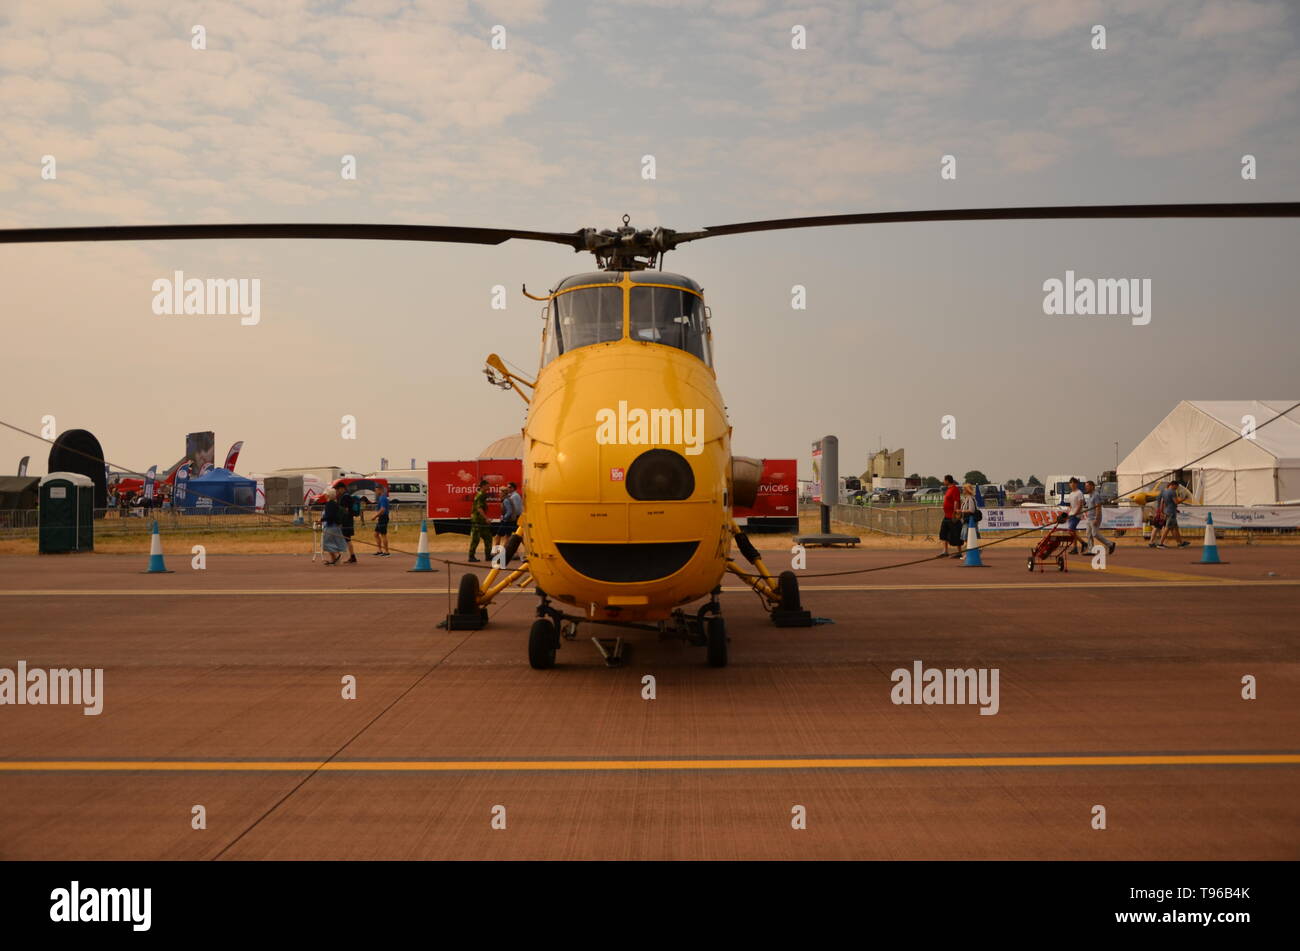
(660, 475)
(656, 475)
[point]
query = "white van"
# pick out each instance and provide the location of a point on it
(403, 491)
(405, 487)
(1057, 487)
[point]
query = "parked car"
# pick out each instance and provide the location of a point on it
(992, 494)
(364, 489)
(1028, 493)
(929, 496)
(886, 496)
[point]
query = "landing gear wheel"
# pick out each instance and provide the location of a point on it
(787, 587)
(542, 642)
(467, 594)
(1031, 561)
(789, 611)
(468, 616)
(715, 630)
(1060, 563)
(467, 597)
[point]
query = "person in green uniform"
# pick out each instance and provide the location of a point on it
(478, 523)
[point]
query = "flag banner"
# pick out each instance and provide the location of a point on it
(182, 480)
(232, 456)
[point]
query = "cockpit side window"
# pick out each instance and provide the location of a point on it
(550, 346)
(670, 316)
(585, 316)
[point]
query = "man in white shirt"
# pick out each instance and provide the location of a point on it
(1074, 512)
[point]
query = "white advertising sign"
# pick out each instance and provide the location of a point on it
(1130, 516)
(1019, 519)
(1241, 516)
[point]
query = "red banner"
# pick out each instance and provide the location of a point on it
(232, 457)
(452, 485)
(778, 491)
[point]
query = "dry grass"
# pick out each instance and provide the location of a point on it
(404, 536)
(263, 541)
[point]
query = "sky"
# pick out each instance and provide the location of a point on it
(904, 325)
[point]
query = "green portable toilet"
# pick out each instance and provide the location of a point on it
(66, 510)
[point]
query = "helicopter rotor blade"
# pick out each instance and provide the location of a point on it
(1242, 209)
(629, 247)
(392, 232)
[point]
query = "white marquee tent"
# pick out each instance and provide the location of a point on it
(1264, 470)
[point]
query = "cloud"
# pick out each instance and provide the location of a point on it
(1029, 151)
(943, 25)
(1241, 16)
(1223, 116)
(269, 108)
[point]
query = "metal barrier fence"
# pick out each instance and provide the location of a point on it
(917, 520)
(119, 522)
(910, 520)
(923, 520)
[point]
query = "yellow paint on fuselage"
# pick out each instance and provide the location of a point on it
(572, 487)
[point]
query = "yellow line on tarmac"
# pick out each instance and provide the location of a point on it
(1017, 585)
(1155, 575)
(240, 592)
(536, 766)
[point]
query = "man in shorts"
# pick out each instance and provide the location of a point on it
(381, 522)
(1074, 514)
(1169, 508)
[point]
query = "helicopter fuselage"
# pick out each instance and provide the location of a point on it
(627, 454)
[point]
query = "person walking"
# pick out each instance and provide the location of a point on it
(966, 511)
(511, 508)
(333, 544)
(1074, 515)
(1092, 514)
(347, 515)
(381, 522)
(949, 529)
(478, 523)
(1169, 509)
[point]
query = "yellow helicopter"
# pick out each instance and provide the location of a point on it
(628, 478)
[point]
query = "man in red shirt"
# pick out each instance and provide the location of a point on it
(951, 500)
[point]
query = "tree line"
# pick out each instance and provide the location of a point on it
(975, 477)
